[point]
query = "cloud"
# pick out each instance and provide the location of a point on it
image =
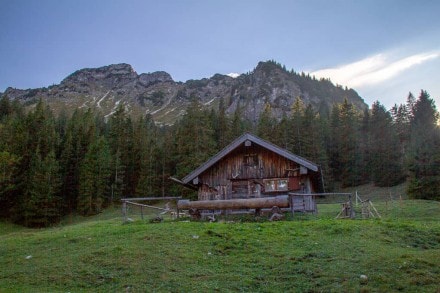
(373, 70)
(233, 74)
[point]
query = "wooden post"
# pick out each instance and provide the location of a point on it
(291, 204)
(352, 214)
(315, 205)
(142, 212)
(177, 210)
(124, 211)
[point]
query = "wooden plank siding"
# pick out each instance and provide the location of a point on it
(241, 174)
(232, 167)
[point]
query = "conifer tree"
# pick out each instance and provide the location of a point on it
(386, 165)
(365, 143)
(119, 131)
(195, 141)
(8, 171)
(313, 143)
(348, 149)
(266, 124)
(149, 161)
(333, 143)
(401, 121)
(237, 125)
(94, 178)
(322, 129)
(40, 204)
(283, 133)
(222, 125)
(297, 132)
(424, 157)
(80, 132)
(5, 107)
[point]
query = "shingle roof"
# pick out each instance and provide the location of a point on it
(261, 142)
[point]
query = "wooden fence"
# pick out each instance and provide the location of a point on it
(134, 201)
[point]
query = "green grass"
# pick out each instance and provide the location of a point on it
(398, 253)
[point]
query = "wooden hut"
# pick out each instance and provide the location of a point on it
(251, 167)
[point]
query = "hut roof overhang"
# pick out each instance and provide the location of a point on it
(254, 139)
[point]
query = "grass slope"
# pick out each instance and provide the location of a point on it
(400, 252)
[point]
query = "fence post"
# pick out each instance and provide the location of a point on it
(292, 208)
(124, 211)
(350, 200)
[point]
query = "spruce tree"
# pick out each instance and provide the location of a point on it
(350, 154)
(5, 107)
(94, 178)
(222, 125)
(148, 163)
(297, 132)
(238, 126)
(401, 121)
(424, 156)
(8, 171)
(119, 141)
(333, 143)
(79, 134)
(195, 141)
(266, 124)
(386, 163)
(40, 204)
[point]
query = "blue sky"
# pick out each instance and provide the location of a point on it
(381, 48)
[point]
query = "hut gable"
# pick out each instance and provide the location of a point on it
(252, 167)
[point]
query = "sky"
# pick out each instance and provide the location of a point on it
(383, 49)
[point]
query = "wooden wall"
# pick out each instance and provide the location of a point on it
(245, 166)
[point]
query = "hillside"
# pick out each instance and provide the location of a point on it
(156, 93)
(307, 254)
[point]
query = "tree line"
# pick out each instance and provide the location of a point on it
(51, 166)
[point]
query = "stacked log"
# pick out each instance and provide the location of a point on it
(281, 201)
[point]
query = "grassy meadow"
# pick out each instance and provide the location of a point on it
(307, 253)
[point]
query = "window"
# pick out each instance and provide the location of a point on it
(282, 184)
(271, 185)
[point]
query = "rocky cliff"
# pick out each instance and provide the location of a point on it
(156, 93)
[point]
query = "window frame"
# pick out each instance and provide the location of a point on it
(275, 184)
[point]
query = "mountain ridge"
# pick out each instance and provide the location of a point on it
(156, 93)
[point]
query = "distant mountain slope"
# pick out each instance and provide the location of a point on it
(156, 93)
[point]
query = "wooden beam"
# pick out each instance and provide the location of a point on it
(151, 198)
(144, 205)
(187, 185)
(328, 193)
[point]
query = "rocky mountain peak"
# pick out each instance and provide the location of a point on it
(114, 71)
(268, 67)
(148, 79)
